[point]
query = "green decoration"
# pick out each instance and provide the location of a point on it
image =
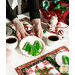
(37, 45)
(39, 71)
(57, 7)
(44, 31)
(55, 1)
(32, 49)
(46, 69)
(45, 5)
(43, 73)
(53, 62)
(65, 60)
(63, 8)
(58, 25)
(27, 47)
(24, 24)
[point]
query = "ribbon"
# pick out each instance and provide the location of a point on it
(55, 1)
(45, 5)
(63, 8)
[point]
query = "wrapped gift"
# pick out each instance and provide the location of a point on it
(67, 20)
(52, 13)
(61, 9)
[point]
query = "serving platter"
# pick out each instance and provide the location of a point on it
(31, 40)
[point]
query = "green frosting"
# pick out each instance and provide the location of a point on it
(32, 49)
(65, 60)
(27, 47)
(37, 45)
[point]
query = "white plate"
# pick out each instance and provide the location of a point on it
(31, 39)
(59, 57)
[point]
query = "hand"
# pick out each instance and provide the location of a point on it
(37, 28)
(20, 31)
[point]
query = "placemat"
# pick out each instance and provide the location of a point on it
(45, 65)
(11, 30)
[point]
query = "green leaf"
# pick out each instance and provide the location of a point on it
(39, 71)
(46, 69)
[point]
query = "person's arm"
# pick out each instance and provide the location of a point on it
(33, 6)
(35, 17)
(20, 31)
(9, 12)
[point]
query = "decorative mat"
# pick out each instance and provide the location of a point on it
(45, 65)
(27, 25)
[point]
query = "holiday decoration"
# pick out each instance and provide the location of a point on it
(32, 49)
(55, 1)
(63, 8)
(60, 8)
(56, 11)
(44, 65)
(60, 32)
(45, 5)
(44, 31)
(44, 71)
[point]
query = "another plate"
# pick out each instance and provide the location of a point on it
(59, 57)
(31, 39)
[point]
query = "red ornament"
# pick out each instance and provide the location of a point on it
(60, 32)
(36, 68)
(48, 27)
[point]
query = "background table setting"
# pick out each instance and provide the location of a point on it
(44, 63)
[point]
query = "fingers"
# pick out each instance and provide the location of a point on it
(33, 30)
(40, 33)
(26, 33)
(18, 35)
(37, 31)
(22, 34)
